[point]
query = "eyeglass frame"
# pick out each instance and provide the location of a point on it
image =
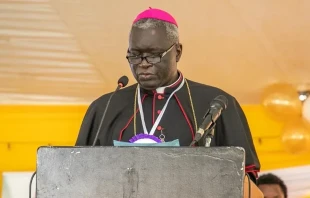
(160, 56)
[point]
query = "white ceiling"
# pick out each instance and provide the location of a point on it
(72, 51)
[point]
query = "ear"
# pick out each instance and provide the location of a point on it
(179, 48)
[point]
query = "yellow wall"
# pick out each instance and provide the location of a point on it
(24, 128)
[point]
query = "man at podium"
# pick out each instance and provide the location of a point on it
(164, 105)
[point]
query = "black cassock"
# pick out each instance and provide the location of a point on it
(177, 122)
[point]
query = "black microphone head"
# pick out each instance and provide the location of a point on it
(123, 81)
(221, 100)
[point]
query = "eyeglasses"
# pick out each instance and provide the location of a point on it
(152, 59)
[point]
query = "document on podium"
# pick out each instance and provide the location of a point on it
(165, 144)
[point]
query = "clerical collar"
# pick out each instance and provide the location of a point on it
(166, 89)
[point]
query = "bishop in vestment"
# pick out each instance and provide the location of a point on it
(164, 105)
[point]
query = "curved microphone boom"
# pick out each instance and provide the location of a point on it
(217, 105)
(122, 82)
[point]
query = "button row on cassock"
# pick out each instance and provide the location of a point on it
(159, 97)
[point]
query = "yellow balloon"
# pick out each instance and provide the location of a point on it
(281, 102)
(296, 136)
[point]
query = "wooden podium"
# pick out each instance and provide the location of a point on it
(140, 172)
(251, 190)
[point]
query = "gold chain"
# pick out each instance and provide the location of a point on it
(135, 108)
(192, 105)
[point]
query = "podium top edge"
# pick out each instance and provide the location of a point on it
(140, 147)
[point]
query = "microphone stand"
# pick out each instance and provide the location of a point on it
(209, 134)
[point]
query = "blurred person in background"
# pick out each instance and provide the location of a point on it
(272, 186)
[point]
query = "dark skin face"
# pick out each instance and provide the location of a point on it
(271, 190)
(153, 41)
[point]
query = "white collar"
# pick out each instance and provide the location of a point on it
(161, 90)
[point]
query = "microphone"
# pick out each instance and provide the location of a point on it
(217, 105)
(122, 82)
